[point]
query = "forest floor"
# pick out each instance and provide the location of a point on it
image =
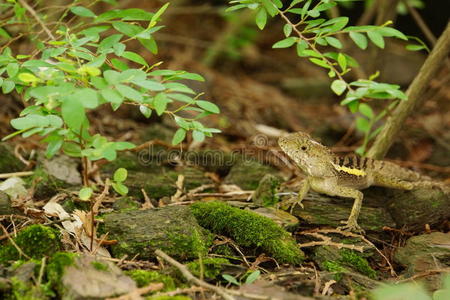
(205, 220)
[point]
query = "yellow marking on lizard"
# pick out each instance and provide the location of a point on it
(348, 170)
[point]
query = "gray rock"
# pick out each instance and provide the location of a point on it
(90, 278)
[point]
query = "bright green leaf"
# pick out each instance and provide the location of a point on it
(179, 136)
(359, 39)
(82, 11)
(85, 193)
(261, 18)
(120, 175)
(208, 106)
(376, 38)
(366, 110)
(286, 43)
(338, 86)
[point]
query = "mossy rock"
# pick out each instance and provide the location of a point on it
(343, 260)
(145, 277)
(265, 193)
(46, 185)
(8, 161)
(22, 282)
(247, 174)
(5, 205)
(125, 204)
(172, 229)
(248, 229)
(36, 241)
(87, 277)
(163, 184)
(211, 267)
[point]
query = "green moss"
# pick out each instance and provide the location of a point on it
(99, 266)
(335, 267)
(21, 290)
(56, 265)
(36, 241)
(125, 204)
(248, 229)
(211, 267)
(357, 262)
(144, 278)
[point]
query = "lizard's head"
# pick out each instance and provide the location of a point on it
(312, 157)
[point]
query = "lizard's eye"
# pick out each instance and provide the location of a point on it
(303, 148)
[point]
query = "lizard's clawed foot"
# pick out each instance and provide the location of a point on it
(352, 226)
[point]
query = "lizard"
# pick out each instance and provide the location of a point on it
(344, 176)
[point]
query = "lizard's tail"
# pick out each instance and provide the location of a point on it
(399, 172)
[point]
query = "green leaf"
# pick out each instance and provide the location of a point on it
(366, 110)
(179, 136)
(12, 69)
(88, 97)
(109, 42)
(230, 279)
(112, 96)
(301, 47)
(160, 103)
(359, 39)
(129, 92)
(120, 188)
(320, 62)
(82, 11)
(334, 42)
(85, 193)
(127, 28)
(135, 58)
(117, 63)
(147, 112)
(362, 125)
(157, 15)
(28, 78)
(415, 47)
(261, 18)
(111, 76)
(389, 31)
(342, 61)
(313, 13)
(286, 43)
(198, 136)
(191, 76)
(29, 121)
(120, 175)
(149, 44)
(208, 106)
(7, 86)
(252, 277)
(287, 30)
(4, 33)
(149, 85)
(376, 38)
(73, 113)
(271, 9)
(338, 86)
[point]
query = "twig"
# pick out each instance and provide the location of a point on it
(16, 174)
(34, 14)
(424, 274)
(421, 23)
(191, 278)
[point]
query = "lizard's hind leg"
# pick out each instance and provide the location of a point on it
(390, 182)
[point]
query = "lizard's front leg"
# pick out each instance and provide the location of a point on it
(304, 188)
(331, 188)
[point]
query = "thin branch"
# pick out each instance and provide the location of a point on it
(38, 19)
(421, 23)
(191, 278)
(16, 174)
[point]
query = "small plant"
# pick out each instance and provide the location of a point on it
(84, 64)
(308, 28)
(253, 276)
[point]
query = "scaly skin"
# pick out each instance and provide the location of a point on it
(344, 176)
